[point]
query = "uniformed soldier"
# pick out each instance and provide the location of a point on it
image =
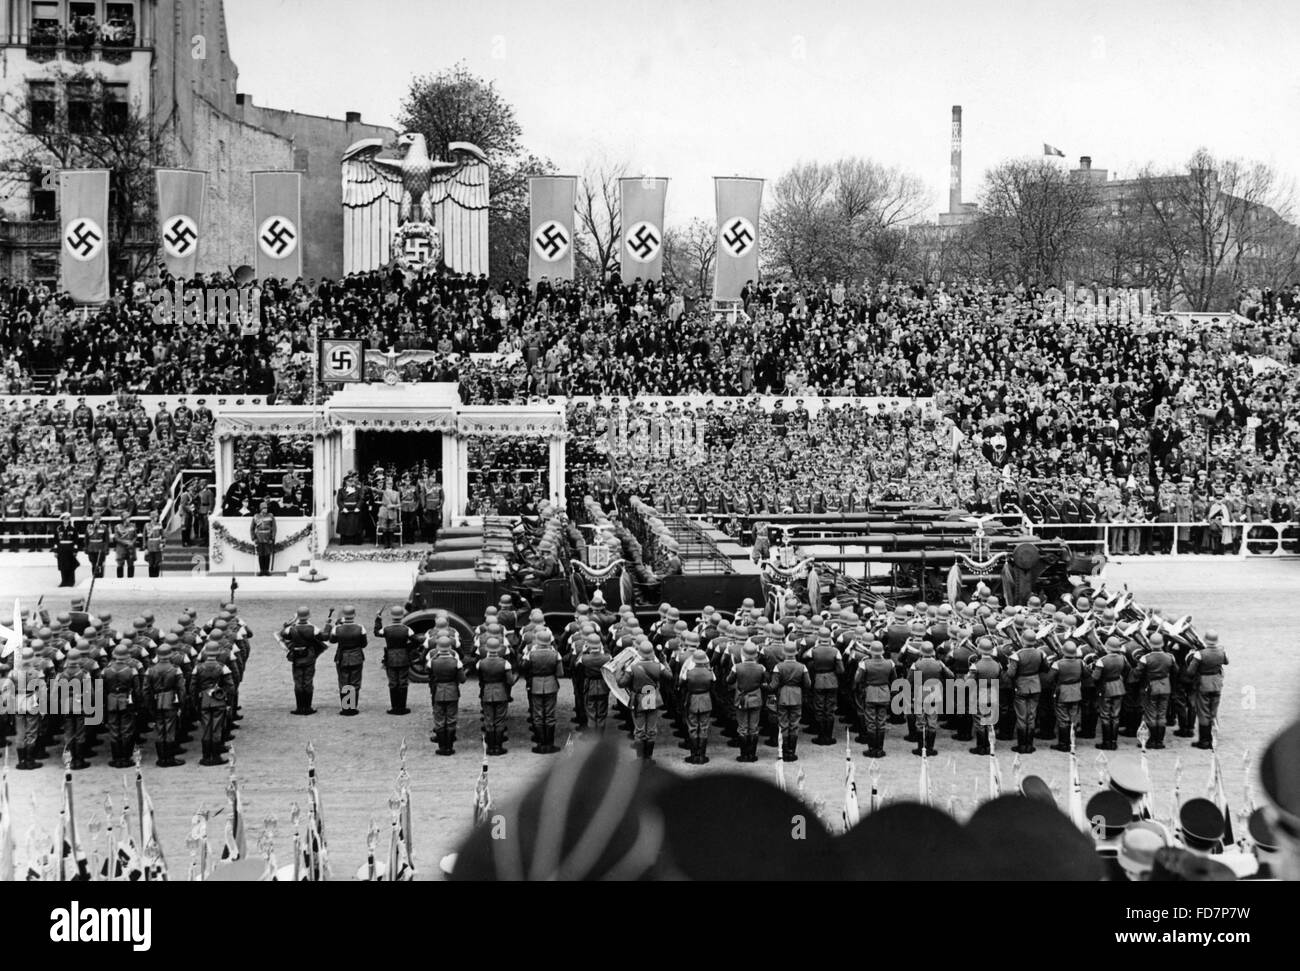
(788, 682)
(541, 667)
(446, 675)
(65, 550)
(1025, 668)
(595, 692)
(572, 646)
(986, 674)
(928, 676)
(155, 542)
(213, 684)
(645, 680)
(164, 690)
(1205, 674)
(873, 684)
(349, 659)
(1110, 670)
(303, 644)
(495, 676)
(748, 680)
(78, 618)
(401, 644)
(124, 540)
(826, 666)
(29, 678)
(263, 532)
(1155, 672)
(121, 679)
(1065, 679)
(697, 684)
(98, 539)
(73, 685)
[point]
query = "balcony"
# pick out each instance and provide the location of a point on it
(82, 41)
(44, 235)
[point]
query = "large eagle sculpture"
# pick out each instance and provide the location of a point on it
(415, 182)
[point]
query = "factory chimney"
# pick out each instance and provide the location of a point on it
(954, 176)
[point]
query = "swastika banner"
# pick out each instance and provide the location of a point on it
(180, 219)
(83, 216)
(343, 361)
(739, 202)
(551, 202)
(642, 253)
(277, 224)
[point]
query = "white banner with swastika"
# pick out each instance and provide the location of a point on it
(642, 254)
(551, 202)
(277, 224)
(739, 202)
(181, 193)
(343, 361)
(83, 215)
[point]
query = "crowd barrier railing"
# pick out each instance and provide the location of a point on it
(1239, 539)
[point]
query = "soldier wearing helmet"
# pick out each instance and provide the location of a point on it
(349, 659)
(446, 675)
(303, 645)
(495, 676)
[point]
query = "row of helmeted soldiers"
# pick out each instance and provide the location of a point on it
(1039, 671)
(80, 680)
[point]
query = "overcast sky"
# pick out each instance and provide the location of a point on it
(690, 89)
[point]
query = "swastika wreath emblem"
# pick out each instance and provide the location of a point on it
(180, 236)
(83, 238)
(738, 236)
(340, 361)
(551, 241)
(278, 237)
(643, 242)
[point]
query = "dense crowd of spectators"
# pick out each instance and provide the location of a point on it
(83, 461)
(1061, 401)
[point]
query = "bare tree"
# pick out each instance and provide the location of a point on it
(840, 220)
(689, 255)
(1034, 220)
(1217, 224)
(103, 134)
(600, 205)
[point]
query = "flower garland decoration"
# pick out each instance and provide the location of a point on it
(223, 535)
(368, 555)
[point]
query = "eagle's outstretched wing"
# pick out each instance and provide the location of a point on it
(368, 178)
(464, 181)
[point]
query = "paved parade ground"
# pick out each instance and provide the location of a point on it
(1251, 604)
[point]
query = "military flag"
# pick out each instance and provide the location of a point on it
(7, 847)
(552, 201)
(482, 794)
(852, 814)
(780, 763)
(1052, 150)
(277, 225)
(83, 218)
(1076, 811)
(155, 863)
(642, 253)
(73, 864)
(181, 193)
(236, 841)
(13, 637)
(923, 782)
(738, 204)
(198, 845)
(1218, 796)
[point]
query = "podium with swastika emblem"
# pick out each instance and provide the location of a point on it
(342, 361)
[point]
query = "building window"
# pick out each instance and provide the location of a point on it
(83, 24)
(81, 107)
(44, 200)
(117, 107)
(43, 105)
(301, 159)
(46, 29)
(119, 25)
